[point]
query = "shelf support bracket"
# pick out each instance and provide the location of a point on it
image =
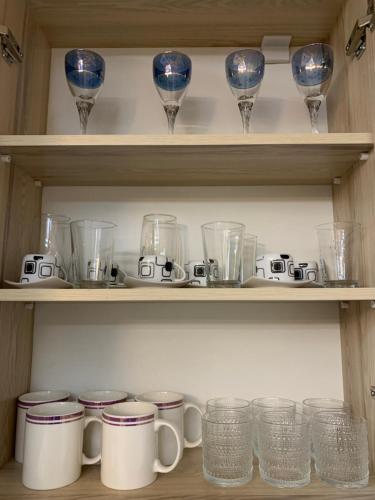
(5, 158)
(372, 304)
(344, 304)
(29, 306)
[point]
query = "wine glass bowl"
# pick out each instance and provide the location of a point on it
(245, 72)
(85, 71)
(312, 68)
(172, 74)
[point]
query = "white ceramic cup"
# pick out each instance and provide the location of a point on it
(172, 408)
(275, 266)
(306, 270)
(196, 271)
(94, 403)
(53, 455)
(159, 268)
(24, 403)
(38, 267)
(129, 445)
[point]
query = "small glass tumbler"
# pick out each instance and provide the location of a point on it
(159, 235)
(249, 257)
(228, 404)
(92, 244)
(55, 240)
(223, 252)
(226, 441)
(340, 254)
(262, 405)
(284, 449)
(341, 449)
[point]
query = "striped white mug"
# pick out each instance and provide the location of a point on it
(129, 446)
(53, 455)
(172, 407)
(24, 403)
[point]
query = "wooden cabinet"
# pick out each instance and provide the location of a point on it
(37, 160)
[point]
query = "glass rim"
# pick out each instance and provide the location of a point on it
(266, 418)
(255, 401)
(106, 224)
(249, 51)
(154, 217)
(246, 404)
(355, 420)
(248, 236)
(244, 417)
(328, 226)
(310, 403)
(58, 218)
(211, 226)
(314, 44)
(73, 51)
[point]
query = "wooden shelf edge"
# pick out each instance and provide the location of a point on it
(189, 295)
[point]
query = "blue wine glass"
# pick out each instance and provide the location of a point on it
(172, 74)
(312, 68)
(245, 71)
(84, 70)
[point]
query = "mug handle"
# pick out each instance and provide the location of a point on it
(182, 270)
(197, 442)
(94, 460)
(158, 466)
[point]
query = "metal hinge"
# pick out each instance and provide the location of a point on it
(357, 41)
(10, 49)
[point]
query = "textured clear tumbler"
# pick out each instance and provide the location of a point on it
(341, 449)
(226, 441)
(284, 449)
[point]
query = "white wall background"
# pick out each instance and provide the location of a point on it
(202, 350)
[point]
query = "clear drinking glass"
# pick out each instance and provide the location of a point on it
(311, 406)
(249, 257)
(84, 70)
(245, 71)
(226, 442)
(223, 250)
(228, 404)
(92, 244)
(262, 405)
(340, 253)
(312, 68)
(55, 240)
(159, 235)
(172, 74)
(341, 449)
(284, 449)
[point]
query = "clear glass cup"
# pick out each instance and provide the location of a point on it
(245, 71)
(55, 240)
(341, 449)
(262, 405)
(228, 404)
(85, 71)
(312, 68)
(226, 442)
(284, 449)
(92, 258)
(311, 406)
(223, 252)
(159, 235)
(172, 74)
(340, 253)
(249, 256)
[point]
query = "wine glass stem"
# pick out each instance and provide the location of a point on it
(171, 111)
(246, 108)
(313, 105)
(84, 108)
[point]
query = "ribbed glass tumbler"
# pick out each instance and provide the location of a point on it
(341, 449)
(284, 449)
(227, 454)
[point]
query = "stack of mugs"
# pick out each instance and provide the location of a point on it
(55, 437)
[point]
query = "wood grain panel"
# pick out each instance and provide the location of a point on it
(183, 23)
(186, 482)
(351, 107)
(185, 160)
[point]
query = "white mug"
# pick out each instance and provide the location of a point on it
(37, 267)
(196, 271)
(306, 270)
(129, 446)
(53, 455)
(275, 266)
(159, 268)
(24, 403)
(172, 408)
(94, 403)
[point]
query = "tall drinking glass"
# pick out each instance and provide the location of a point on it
(172, 74)
(92, 244)
(223, 251)
(84, 70)
(284, 449)
(226, 442)
(245, 71)
(159, 235)
(312, 68)
(55, 240)
(249, 256)
(341, 449)
(340, 253)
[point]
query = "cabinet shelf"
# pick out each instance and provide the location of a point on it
(185, 482)
(190, 295)
(185, 160)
